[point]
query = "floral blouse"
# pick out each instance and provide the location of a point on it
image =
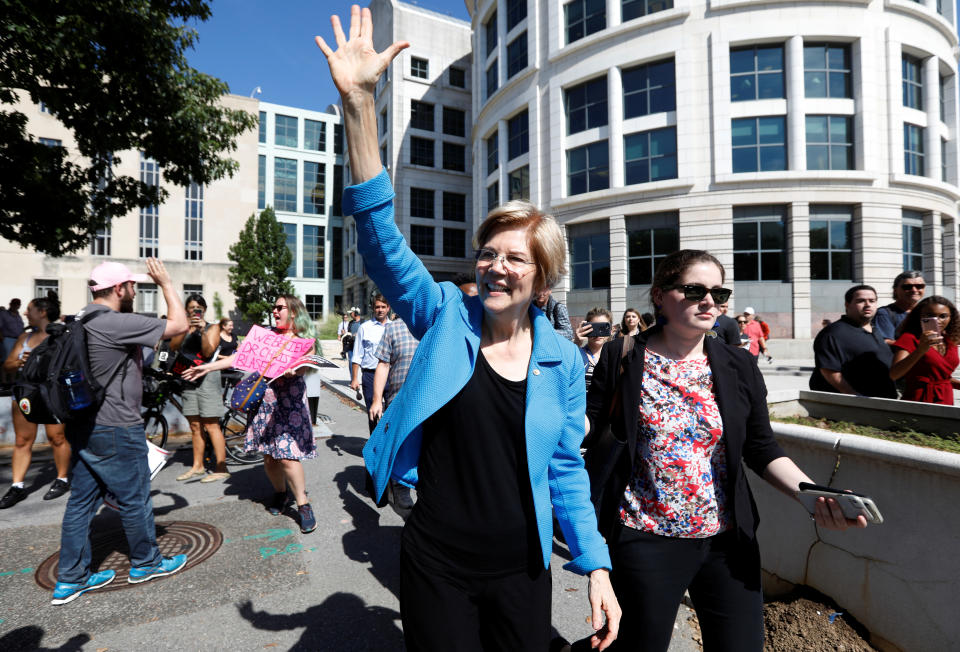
(680, 472)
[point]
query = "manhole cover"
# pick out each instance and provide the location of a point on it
(198, 540)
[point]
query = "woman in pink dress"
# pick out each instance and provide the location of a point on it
(925, 353)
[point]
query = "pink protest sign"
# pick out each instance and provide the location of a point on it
(261, 345)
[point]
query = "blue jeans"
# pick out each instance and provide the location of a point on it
(114, 459)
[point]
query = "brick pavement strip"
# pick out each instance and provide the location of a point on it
(267, 585)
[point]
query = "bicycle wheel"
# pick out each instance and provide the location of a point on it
(234, 427)
(156, 428)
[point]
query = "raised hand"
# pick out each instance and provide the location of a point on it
(356, 65)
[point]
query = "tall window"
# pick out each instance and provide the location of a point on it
(100, 242)
(759, 144)
(586, 105)
(493, 195)
(831, 253)
(490, 33)
(650, 88)
(313, 260)
(285, 130)
(493, 155)
(518, 135)
(635, 8)
(337, 190)
(314, 305)
(290, 234)
(458, 77)
(261, 181)
(148, 300)
(519, 181)
(756, 73)
(315, 135)
(589, 255)
(912, 69)
(829, 142)
(43, 286)
(263, 127)
(421, 115)
(421, 151)
(944, 153)
(493, 77)
(454, 157)
(588, 168)
(149, 216)
(912, 240)
(454, 243)
(285, 184)
(382, 122)
(454, 206)
(516, 11)
(336, 265)
(191, 288)
(419, 68)
(193, 223)
(454, 121)
(943, 98)
(826, 70)
(584, 17)
(421, 239)
(913, 162)
(517, 55)
(338, 139)
(314, 188)
(649, 239)
(758, 243)
(650, 155)
(421, 202)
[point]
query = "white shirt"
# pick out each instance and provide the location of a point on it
(368, 337)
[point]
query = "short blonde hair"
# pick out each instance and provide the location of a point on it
(544, 237)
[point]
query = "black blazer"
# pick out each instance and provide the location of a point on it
(741, 398)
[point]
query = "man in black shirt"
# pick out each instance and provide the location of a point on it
(726, 327)
(850, 356)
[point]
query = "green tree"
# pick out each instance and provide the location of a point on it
(218, 305)
(115, 74)
(261, 259)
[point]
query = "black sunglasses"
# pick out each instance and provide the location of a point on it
(698, 292)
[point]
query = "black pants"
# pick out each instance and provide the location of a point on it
(366, 384)
(722, 573)
(452, 609)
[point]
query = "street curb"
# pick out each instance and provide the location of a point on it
(343, 390)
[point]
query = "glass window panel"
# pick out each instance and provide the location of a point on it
(773, 158)
(742, 88)
(745, 160)
(600, 276)
(581, 276)
(663, 168)
(839, 234)
(819, 265)
(818, 157)
(640, 271)
(840, 267)
(816, 129)
(814, 56)
(637, 171)
(771, 131)
(772, 266)
(840, 85)
(578, 159)
(769, 86)
(819, 234)
(841, 157)
(744, 235)
(815, 83)
(635, 146)
(838, 129)
(771, 235)
(741, 61)
(745, 266)
(744, 132)
(581, 249)
(638, 243)
(666, 241)
(770, 58)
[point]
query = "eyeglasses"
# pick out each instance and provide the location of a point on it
(741, 321)
(511, 262)
(279, 307)
(698, 292)
(912, 286)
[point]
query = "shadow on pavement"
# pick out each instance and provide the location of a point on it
(342, 621)
(340, 444)
(29, 638)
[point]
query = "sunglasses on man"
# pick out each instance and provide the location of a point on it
(698, 292)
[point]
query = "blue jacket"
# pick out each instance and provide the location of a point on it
(448, 325)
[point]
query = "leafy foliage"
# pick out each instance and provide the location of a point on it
(259, 273)
(115, 74)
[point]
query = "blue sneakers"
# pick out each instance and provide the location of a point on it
(308, 523)
(167, 566)
(65, 591)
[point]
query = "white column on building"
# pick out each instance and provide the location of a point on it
(951, 271)
(618, 264)
(614, 17)
(798, 266)
(894, 104)
(615, 126)
(931, 105)
(796, 124)
(932, 251)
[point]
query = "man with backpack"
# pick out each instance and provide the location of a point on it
(109, 445)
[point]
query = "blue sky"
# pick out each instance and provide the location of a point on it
(250, 43)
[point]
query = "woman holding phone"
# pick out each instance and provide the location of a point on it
(925, 353)
(596, 329)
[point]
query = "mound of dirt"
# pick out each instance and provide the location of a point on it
(809, 621)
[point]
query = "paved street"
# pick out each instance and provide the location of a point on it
(268, 586)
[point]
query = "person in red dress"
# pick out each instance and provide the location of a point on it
(925, 352)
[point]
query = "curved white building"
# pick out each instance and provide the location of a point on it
(809, 145)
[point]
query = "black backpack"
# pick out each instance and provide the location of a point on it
(41, 391)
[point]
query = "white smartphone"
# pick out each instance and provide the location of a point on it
(853, 505)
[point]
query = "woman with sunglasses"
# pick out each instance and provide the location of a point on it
(489, 422)
(281, 429)
(685, 414)
(925, 353)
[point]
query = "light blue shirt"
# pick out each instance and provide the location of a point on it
(365, 345)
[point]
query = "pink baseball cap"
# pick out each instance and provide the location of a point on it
(106, 275)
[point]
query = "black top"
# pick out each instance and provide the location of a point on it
(862, 357)
(227, 348)
(192, 346)
(474, 509)
(727, 330)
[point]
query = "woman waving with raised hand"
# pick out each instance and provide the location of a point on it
(489, 422)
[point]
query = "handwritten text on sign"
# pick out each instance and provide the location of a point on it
(261, 345)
